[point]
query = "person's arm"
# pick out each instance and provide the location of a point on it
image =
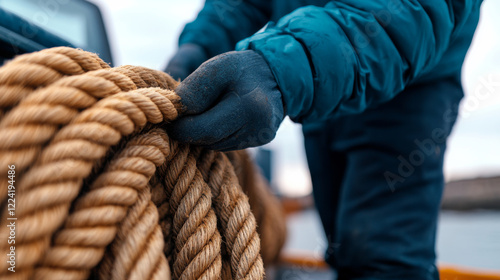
(353, 54)
(222, 23)
(318, 63)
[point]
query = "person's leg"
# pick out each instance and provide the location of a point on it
(327, 170)
(392, 185)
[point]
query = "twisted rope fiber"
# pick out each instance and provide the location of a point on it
(62, 166)
(53, 110)
(265, 206)
(20, 77)
(196, 250)
(102, 192)
(48, 108)
(237, 221)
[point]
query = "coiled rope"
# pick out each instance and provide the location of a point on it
(102, 192)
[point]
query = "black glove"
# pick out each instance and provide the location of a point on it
(185, 61)
(230, 102)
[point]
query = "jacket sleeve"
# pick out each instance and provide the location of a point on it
(354, 54)
(222, 23)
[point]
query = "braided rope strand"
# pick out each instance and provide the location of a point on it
(232, 207)
(196, 252)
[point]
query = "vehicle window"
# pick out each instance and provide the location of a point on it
(62, 20)
(76, 21)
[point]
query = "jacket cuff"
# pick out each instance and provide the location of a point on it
(294, 78)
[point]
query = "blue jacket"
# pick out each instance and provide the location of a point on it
(332, 58)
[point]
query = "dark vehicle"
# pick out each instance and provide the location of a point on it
(32, 25)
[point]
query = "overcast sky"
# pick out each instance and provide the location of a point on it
(145, 33)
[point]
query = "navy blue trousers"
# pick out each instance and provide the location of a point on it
(378, 181)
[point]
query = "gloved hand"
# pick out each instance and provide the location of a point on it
(231, 102)
(187, 58)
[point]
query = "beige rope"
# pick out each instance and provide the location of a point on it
(237, 221)
(265, 206)
(101, 191)
(21, 76)
(196, 253)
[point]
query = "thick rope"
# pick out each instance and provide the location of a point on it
(196, 253)
(101, 191)
(107, 202)
(48, 108)
(65, 162)
(237, 221)
(21, 76)
(265, 206)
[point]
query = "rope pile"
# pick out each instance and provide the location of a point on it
(101, 191)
